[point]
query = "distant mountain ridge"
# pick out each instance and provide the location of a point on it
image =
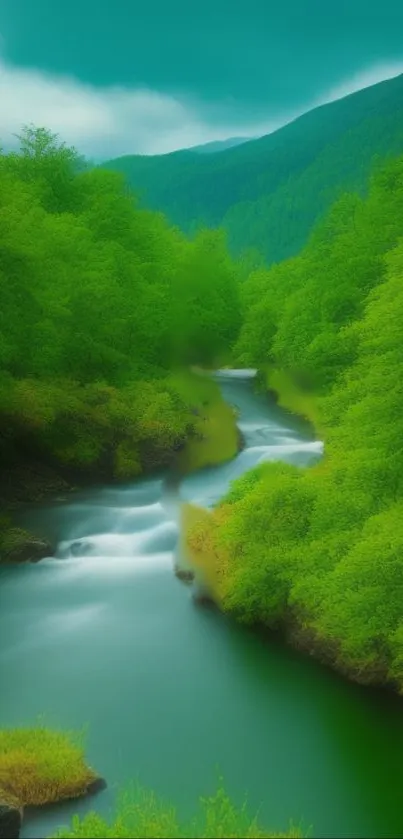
(268, 193)
(220, 145)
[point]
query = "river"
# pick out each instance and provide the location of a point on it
(173, 694)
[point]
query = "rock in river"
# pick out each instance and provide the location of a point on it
(10, 818)
(184, 574)
(20, 546)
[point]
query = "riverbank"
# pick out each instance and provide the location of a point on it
(110, 639)
(215, 437)
(40, 767)
(141, 815)
(287, 394)
(209, 435)
(207, 560)
(260, 550)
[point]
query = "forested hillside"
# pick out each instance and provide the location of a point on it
(100, 302)
(268, 193)
(103, 307)
(219, 145)
(319, 552)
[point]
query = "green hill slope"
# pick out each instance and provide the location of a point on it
(318, 552)
(268, 193)
(219, 145)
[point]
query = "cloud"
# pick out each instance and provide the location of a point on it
(100, 122)
(365, 78)
(111, 121)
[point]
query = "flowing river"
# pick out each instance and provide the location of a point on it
(174, 695)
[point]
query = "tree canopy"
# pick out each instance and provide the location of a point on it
(322, 548)
(100, 299)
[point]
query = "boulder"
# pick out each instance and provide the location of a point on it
(97, 785)
(20, 546)
(184, 574)
(10, 818)
(201, 595)
(82, 547)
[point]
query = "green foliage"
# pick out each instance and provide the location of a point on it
(207, 310)
(99, 300)
(323, 548)
(268, 193)
(297, 314)
(141, 814)
(39, 766)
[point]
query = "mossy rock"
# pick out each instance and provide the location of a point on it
(19, 545)
(186, 575)
(10, 816)
(126, 460)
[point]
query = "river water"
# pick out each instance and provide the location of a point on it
(174, 695)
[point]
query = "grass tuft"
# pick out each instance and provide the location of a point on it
(38, 766)
(141, 814)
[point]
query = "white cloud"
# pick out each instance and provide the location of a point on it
(110, 121)
(101, 122)
(365, 78)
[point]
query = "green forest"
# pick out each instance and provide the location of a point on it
(102, 304)
(318, 553)
(267, 194)
(107, 308)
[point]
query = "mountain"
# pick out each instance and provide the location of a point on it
(220, 145)
(268, 193)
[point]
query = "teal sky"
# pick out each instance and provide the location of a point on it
(217, 67)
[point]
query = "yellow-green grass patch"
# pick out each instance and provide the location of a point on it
(216, 437)
(291, 397)
(141, 814)
(38, 766)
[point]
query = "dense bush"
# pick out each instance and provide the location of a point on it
(322, 549)
(99, 301)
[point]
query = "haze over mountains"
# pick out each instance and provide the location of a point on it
(269, 192)
(220, 145)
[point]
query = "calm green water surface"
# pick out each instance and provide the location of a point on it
(173, 695)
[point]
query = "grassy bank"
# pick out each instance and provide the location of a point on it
(215, 436)
(141, 815)
(101, 300)
(292, 397)
(188, 427)
(38, 766)
(317, 553)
